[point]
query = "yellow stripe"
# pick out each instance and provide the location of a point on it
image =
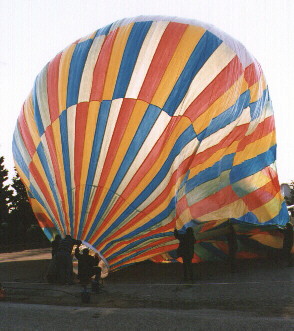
(252, 183)
(59, 156)
(133, 124)
(269, 210)
(63, 76)
(227, 100)
(115, 60)
(37, 162)
(93, 112)
(257, 89)
(214, 158)
(189, 40)
(30, 120)
(23, 177)
(269, 240)
(236, 208)
(256, 148)
(177, 131)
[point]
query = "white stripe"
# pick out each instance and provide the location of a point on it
(154, 134)
(187, 151)
(71, 119)
(37, 188)
(111, 123)
(216, 137)
(21, 147)
(42, 97)
(87, 77)
(212, 67)
(145, 57)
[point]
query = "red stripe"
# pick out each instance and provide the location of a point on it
(155, 251)
(145, 167)
(237, 133)
(25, 133)
(102, 66)
(52, 87)
(252, 73)
(154, 204)
(263, 129)
(52, 151)
(44, 221)
(164, 52)
(260, 196)
(222, 82)
(165, 228)
(35, 173)
(121, 125)
(80, 130)
(213, 202)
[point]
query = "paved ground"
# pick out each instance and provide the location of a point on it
(260, 292)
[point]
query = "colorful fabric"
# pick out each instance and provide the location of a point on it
(145, 125)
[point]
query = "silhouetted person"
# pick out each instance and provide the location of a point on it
(64, 259)
(86, 264)
(233, 247)
(55, 244)
(186, 251)
(288, 244)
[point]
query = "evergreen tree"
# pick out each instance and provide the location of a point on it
(5, 193)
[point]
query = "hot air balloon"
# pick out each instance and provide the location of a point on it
(148, 124)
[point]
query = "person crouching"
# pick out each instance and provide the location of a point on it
(86, 265)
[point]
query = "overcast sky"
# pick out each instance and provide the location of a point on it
(34, 31)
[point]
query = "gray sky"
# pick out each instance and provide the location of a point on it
(34, 31)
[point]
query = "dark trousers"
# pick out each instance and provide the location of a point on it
(188, 268)
(64, 267)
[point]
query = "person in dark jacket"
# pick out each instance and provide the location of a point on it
(64, 259)
(86, 265)
(288, 244)
(55, 243)
(186, 251)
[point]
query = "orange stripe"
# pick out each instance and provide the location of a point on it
(52, 87)
(101, 67)
(165, 50)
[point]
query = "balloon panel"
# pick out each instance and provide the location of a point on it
(145, 125)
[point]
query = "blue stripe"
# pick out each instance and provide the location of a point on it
(154, 221)
(143, 130)
(211, 173)
(227, 117)
(75, 72)
(96, 148)
(257, 107)
(44, 162)
(132, 49)
(37, 115)
(136, 243)
(134, 254)
(203, 50)
(103, 31)
(183, 140)
(254, 165)
(66, 162)
(19, 159)
(36, 196)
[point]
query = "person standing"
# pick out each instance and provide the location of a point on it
(64, 259)
(186, 251)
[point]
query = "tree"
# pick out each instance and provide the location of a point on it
(22, 218)
(5, 193)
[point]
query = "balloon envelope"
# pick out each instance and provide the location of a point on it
(145, 125)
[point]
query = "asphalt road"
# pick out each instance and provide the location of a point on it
(14, 316)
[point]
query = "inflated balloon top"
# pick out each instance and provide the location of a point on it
(145, 125)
